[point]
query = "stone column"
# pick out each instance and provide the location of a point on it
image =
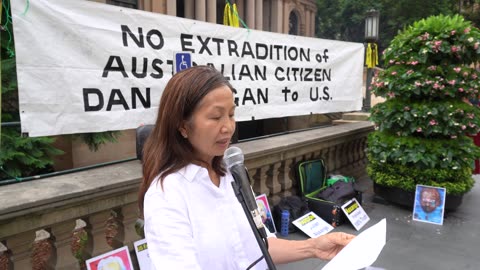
(172, 7)
(250, 16)
(62, 233)
(130, 216)
(277, 16)
(158, 6)
(312, 23)
(212, 11)
(189, 9)
(241, 9)
(145, 5)
(97, 230)
(259, 14)
(274, 185)
(21, 247)
(286, 16)
(307, 23)
(200, 13)
(260, 180)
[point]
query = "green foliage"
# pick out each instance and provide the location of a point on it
(456, 182)
(95, 140)
(344, 19)
(422, 153)
(427, 118)
(434, 39)
(397, 14)
(423, 127)
(470, 10)
(21, 156)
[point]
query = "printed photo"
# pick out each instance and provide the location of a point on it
(118, 259)
(429, 204)
(265, 212)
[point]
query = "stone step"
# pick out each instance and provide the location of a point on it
(356, 116)
(341, 121)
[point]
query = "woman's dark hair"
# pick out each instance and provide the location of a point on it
(166, 150)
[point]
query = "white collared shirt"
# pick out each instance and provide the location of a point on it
(193, 224)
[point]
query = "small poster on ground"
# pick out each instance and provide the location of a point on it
(355, 213)
(312, 225)
(429, 204)
(141, 250)
(265, 212)
(115, 259)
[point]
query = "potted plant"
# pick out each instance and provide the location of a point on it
(422, 128)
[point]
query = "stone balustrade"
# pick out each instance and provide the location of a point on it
(59, 222)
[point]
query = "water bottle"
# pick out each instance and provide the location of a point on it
(284, 223)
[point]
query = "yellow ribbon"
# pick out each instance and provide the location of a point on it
(372, 55)
(230, 16)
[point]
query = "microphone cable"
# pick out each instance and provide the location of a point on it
(261, 257)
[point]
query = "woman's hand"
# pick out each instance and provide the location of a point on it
(325, 247)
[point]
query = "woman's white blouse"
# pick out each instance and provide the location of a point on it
(193, 224)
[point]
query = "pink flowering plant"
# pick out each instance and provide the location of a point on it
(423, 126)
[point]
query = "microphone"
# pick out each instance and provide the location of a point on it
(233, 158)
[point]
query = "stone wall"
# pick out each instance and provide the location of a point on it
(58, 222)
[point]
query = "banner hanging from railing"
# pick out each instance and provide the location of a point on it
(83, 66)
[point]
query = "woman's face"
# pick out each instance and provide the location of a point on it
(212, 124)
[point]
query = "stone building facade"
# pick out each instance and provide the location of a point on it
(296, 17)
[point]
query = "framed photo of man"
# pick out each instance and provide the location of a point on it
(429, 204)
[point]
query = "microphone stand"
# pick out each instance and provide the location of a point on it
(261, 243)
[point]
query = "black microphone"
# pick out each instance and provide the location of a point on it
(233, 158)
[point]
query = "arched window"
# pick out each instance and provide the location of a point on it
(293, 25)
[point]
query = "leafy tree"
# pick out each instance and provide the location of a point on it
(397, 14)
(342, 19)
(326, 24)
(345, 19)
(470, 9)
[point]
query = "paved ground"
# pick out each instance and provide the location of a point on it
(413, 245)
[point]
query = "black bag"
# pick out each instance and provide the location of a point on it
(312, 178)
(295, 205)
(339, 192)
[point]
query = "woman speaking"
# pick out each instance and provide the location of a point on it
(193, 219)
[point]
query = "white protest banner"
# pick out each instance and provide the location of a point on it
(84, 66)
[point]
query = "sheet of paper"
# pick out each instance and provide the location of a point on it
(362, 251)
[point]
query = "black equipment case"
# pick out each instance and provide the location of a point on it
(311, 176)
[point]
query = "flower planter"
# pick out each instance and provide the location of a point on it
(407, 198)
(422, 127)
